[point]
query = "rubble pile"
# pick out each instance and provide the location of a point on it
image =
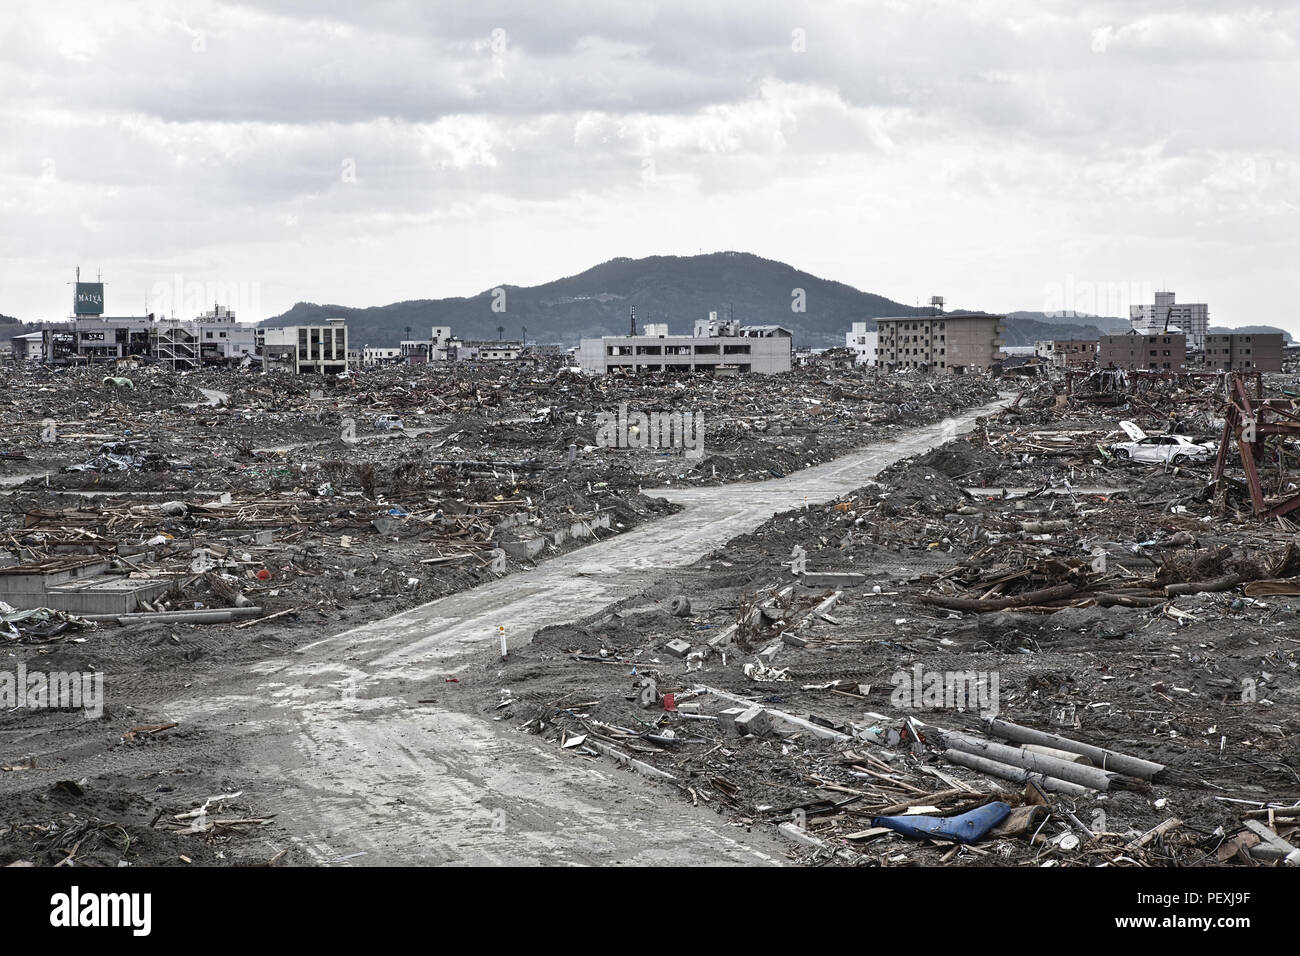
(155, 524)
(1020, 648)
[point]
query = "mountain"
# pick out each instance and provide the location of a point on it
(1077, 319)
(1022, 332)
(1252, 330)
(9, 320)
(672, 289)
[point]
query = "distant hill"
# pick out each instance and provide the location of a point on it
(1252, 330)
(672, 289)
(1078, 319)
(1021, 331)
(9, 320)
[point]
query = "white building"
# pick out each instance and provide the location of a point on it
(30, 347)
(484, 351)
(371, 355)
(221, 338)
(713, 327)
(321, 349)
(1192, 317)
(763, 349)
(863, 344)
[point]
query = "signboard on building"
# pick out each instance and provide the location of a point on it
(89, 299)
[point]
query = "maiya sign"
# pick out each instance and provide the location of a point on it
(89, 298)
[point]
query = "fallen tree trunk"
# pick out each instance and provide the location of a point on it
(1197, 587)
(1045, 595)
(1128, 600)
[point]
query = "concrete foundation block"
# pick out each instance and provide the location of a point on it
(727, 718)
(678, 648)
(754, 722)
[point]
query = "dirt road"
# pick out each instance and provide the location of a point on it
(357, 743)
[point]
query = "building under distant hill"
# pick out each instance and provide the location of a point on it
(717, 347)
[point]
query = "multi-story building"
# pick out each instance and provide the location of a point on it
(102, 338)
(214, 336)
(1257, 351)
(1190, 318)
(862, 342)
(221, 338)
(319, 349)
(436, 348)
(1066, 353)
(1151, 349)
(950, 344)
(762, 349)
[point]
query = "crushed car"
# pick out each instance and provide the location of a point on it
(1164, 449)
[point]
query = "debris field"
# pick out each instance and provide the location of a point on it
(1021, 648)
(158, 526)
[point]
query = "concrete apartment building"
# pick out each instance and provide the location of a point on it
(1258, 352)
(729, 349)
(1066, 353)
(1191, 318)
(307, 349)
(863, 343)
(950, 344)
(222, 338)
(1152, 349)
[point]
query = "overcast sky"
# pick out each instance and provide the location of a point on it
(1008, 155)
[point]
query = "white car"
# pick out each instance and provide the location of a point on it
(1159, 449)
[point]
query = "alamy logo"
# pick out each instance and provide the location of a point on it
(61, 690)
(919, 689)
(133, 910)
(649, 430)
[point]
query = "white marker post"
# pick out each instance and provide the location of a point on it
(501, 630)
